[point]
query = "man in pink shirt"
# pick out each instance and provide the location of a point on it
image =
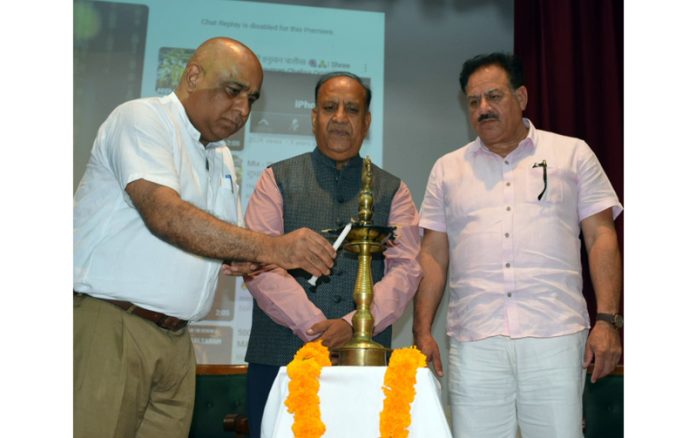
(503, 216)
(320, 190)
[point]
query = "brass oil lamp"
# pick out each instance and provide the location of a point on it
(364, 239)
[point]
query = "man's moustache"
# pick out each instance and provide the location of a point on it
(339, 127)
(484, 117)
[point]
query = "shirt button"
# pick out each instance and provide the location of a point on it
(507, 162)
(337, 299)
(509, 294)
(508, 208)
(340, 199)
(507, 265)
(507, 234)
(339, 222)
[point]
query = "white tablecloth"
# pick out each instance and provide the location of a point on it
(351, 401)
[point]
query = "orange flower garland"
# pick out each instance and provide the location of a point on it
(303, 401)
(399, 389)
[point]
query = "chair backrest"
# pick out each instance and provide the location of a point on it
(220, 406)
(602, 405)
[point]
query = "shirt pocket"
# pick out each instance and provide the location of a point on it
(552, 189)
(224, 204)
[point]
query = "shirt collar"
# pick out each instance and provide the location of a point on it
(322, 159)
(529, 141)
(531, 138)
(188, 126)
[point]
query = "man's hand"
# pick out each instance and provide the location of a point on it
(604, 342)
(333, 332)
(304, 249)
(428, 346)
(240, 268)
(604, 345)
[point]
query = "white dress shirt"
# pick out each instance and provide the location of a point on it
(115, 255)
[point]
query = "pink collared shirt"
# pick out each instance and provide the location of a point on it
(286, 302)
(514, 260)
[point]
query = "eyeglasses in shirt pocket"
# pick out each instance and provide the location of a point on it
(552, 190)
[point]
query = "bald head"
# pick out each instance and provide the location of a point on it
(216, 51)
(220, 83)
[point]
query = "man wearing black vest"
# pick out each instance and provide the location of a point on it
(320, 190)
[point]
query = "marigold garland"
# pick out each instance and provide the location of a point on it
(399, 389)
(303, 400)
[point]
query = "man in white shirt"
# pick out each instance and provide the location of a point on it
(153, 221)
(502, 217)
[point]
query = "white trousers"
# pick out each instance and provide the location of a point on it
(497, 384)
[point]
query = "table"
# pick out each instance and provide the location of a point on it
(351, 401)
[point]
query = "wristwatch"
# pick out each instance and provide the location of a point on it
(614, 319)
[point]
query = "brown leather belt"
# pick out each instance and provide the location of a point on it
(161, 319)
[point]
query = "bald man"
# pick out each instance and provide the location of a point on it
(153, 221)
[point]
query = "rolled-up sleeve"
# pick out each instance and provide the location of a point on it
(432, 213)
